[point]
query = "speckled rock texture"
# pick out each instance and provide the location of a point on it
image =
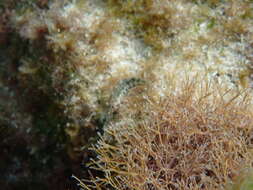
(73, 69)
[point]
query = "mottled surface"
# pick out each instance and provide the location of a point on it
(69, 69)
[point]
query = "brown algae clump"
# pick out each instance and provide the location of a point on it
(188, 141)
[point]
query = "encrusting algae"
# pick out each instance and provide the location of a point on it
(161, 88)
